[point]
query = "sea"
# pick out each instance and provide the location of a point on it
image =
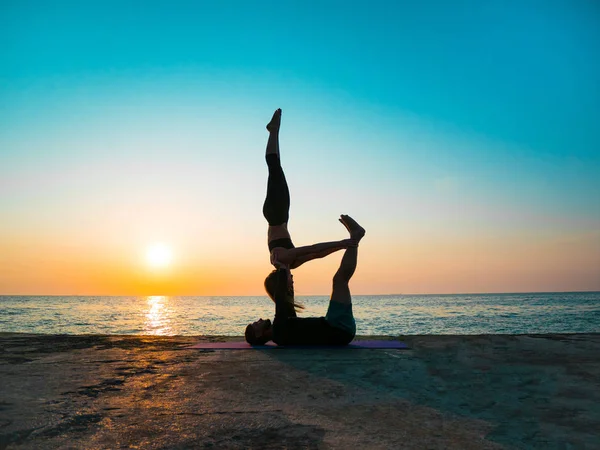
(384, 315)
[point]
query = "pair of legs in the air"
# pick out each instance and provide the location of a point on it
(341, 290)
(339, 313)
(276, 208)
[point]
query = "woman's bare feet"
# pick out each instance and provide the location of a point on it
(274, 124)
(356, 231)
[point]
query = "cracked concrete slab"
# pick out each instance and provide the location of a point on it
(462, 392)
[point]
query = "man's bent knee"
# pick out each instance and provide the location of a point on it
(341, 291)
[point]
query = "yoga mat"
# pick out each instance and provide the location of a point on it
(271, 346)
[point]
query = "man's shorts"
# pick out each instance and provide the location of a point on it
(340, 315)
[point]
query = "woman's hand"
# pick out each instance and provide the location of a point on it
(276, 260)
(281, 257)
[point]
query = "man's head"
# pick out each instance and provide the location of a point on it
(259, 332)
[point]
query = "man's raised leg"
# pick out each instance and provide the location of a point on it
(341, 290)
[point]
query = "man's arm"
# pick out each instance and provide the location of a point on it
(295, 257)
(310, 256)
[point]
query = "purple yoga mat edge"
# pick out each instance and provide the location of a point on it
(241, 345)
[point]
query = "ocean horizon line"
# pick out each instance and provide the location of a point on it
(306, 295)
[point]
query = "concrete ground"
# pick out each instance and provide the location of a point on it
(446, 392)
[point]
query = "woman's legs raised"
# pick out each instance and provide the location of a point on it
(277, 202)
(273, 127)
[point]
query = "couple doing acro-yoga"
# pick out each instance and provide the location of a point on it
(338, 327)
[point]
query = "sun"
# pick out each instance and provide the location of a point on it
(159, 255)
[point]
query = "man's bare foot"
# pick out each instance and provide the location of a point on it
(356, 231)
(273, 125)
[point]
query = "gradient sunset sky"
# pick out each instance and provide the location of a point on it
(463, 135)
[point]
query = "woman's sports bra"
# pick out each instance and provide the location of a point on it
(283, 242)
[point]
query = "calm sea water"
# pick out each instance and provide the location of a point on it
(375, 315)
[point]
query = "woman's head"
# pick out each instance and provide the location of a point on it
(271, 283)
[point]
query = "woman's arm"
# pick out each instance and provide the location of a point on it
(283, 308)
(295, 257)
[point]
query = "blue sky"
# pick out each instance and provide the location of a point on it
(427, 118)
(522, 72)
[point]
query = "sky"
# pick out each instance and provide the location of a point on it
(462, 135)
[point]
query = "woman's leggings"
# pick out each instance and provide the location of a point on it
(276, 208)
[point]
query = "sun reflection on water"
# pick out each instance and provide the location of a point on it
(158, 315)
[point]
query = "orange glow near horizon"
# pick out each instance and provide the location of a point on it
(462, 265)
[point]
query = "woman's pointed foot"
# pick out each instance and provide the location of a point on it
(356, 231)
(274, 124)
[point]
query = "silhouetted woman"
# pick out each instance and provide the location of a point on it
(276, 210)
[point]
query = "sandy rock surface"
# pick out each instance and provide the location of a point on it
(446, 392)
